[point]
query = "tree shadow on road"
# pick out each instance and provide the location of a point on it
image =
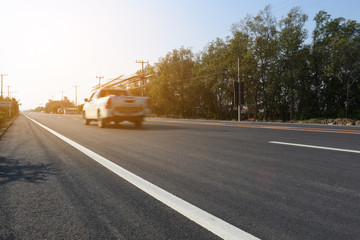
(144, 127)
(12, 170)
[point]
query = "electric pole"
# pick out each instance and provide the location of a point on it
(99, 77)
(62, 95)
(239, 86)
(8, 87)
(2, 75)
(76, 95)
(142, 73)
(142, 65)
(12, 92)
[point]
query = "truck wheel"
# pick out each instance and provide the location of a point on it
(138, 122)
(101, 121)
(86, 121)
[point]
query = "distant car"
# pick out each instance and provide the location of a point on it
(70, 110)
(108, 105)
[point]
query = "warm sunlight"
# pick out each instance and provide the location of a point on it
(180, 119)
(46, 47)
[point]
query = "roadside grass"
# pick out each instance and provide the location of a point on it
(3, 120)
(314, 120)
(326, 121)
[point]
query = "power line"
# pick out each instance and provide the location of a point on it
(228, 27)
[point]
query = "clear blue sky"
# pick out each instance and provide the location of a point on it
(49, 46)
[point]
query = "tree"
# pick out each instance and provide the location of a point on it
(284, 78)
(171, 84)
(241, 48)
(336, 62)
(216, 79)
(292, 61)
(264, 37)
(4, 111)
(58, 106)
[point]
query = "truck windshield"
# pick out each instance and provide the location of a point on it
(108, 92)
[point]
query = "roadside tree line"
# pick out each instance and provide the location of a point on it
(57, 106)
(285, 76)
(4, 111)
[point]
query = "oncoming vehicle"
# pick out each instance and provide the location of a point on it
(108, 105)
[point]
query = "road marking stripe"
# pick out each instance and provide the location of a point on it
(318, 147)
(244, 125)
(214, 224)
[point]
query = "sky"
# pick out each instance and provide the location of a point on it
(49, 46)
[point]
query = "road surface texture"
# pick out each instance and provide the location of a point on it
(236, 172)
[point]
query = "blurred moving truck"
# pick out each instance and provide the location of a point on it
(107, 105)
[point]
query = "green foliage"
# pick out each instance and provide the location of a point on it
(39, 109)
(336, 57)
(80, 108)
(214, 78)
(172, 87)
(58, 106)
(4, 111)
(284, 78)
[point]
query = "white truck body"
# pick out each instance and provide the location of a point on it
(108, 105)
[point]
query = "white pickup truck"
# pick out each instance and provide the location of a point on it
(108, 105)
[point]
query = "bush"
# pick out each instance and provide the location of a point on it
(4, 112)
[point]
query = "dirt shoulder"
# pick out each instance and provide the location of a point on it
(5, 127)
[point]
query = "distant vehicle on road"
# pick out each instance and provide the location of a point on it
(108, 105)
(70, 110)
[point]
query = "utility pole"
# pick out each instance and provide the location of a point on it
(2, 75)
(62, 95)
(8, 87)
(12, 92)
(75, 94)
(239, 86)
(142, 73)
(99, 77)
(142, 65)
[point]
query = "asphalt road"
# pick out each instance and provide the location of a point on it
(50, 190)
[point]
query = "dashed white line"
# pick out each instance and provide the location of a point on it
(317, 147)
(214, 224)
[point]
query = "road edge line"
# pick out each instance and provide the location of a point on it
(213, 224)
(317, 147)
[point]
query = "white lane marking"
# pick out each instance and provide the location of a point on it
(214, 224)
(318, 147)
